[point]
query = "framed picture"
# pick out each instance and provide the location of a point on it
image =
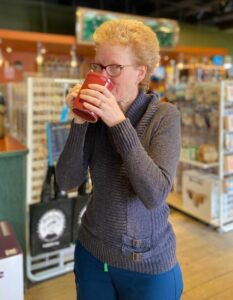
(88, 20)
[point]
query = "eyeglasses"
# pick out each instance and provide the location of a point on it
(113, 70)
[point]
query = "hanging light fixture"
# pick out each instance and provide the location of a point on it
(40, 54)
(1, 58)
(73, 61)
(1, 55)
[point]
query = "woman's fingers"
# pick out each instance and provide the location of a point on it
(96, 109)
(93, 93)
(102, 89)
(75, 88)
(92, 96)
(70, 99)
(72, 95)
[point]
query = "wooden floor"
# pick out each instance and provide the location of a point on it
(206, 259)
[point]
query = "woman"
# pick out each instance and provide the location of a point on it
(126, 248)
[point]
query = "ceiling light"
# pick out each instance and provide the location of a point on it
(74, 60)
(39, 59)
(43, 50)
(40, 54)
(8, 49)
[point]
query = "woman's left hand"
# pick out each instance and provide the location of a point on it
(102, 102)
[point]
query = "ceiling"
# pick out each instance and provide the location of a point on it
(205, 12)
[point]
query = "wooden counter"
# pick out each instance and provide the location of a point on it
(9, 145)
(13, 186)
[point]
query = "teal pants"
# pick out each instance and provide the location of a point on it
(97, 281)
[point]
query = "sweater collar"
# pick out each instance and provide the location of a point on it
(139, 106)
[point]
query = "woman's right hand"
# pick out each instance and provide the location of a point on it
(70, 101)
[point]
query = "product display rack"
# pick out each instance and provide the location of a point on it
(31, 105)
(222, 201)
(198, 164)
(225, 156)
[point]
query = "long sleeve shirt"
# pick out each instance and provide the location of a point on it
(132, 167)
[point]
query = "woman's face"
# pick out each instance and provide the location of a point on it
(126, 84)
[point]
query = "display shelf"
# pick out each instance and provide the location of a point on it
(228, 173)
(175, 201)
(24, 41)
(228, 194)
(32, 104)
(226, 199)
(199, 164)
(226, 227)
(228, 152)
(204, 123)
(228, 103)
(227, 131)
(52, 264)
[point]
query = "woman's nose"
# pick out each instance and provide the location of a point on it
(104, 72)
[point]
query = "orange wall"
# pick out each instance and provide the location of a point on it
(28, 61)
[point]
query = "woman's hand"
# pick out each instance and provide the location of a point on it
(70, 100)
(102, 102)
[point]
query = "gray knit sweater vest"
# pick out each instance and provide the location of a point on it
(132, 166)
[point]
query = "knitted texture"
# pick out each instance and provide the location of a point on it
(132, 166)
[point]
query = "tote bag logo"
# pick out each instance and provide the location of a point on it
(51, 225)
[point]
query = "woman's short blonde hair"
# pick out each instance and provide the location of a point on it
(135, 34)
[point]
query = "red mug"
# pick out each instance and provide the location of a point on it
(78, 107)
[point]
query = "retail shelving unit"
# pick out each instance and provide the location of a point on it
(225, 156)
(198, 164)
(218, 131)
(31, 105)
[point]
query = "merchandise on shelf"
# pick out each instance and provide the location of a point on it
(228, 121)
(228, 185)
(230, 93)
(199, 107)
(228, 141)
(200, 194)
(207, 153)
(31, 105)
(226, 156)
(228, 163)
(207, 144)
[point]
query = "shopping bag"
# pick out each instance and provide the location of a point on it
(51, 219)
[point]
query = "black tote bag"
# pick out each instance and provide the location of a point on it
(51, 219)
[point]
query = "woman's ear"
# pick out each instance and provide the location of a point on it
(141, 73)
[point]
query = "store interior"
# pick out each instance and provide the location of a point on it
(45, 49)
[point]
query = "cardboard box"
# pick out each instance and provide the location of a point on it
(200, 194)
(11, 265)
